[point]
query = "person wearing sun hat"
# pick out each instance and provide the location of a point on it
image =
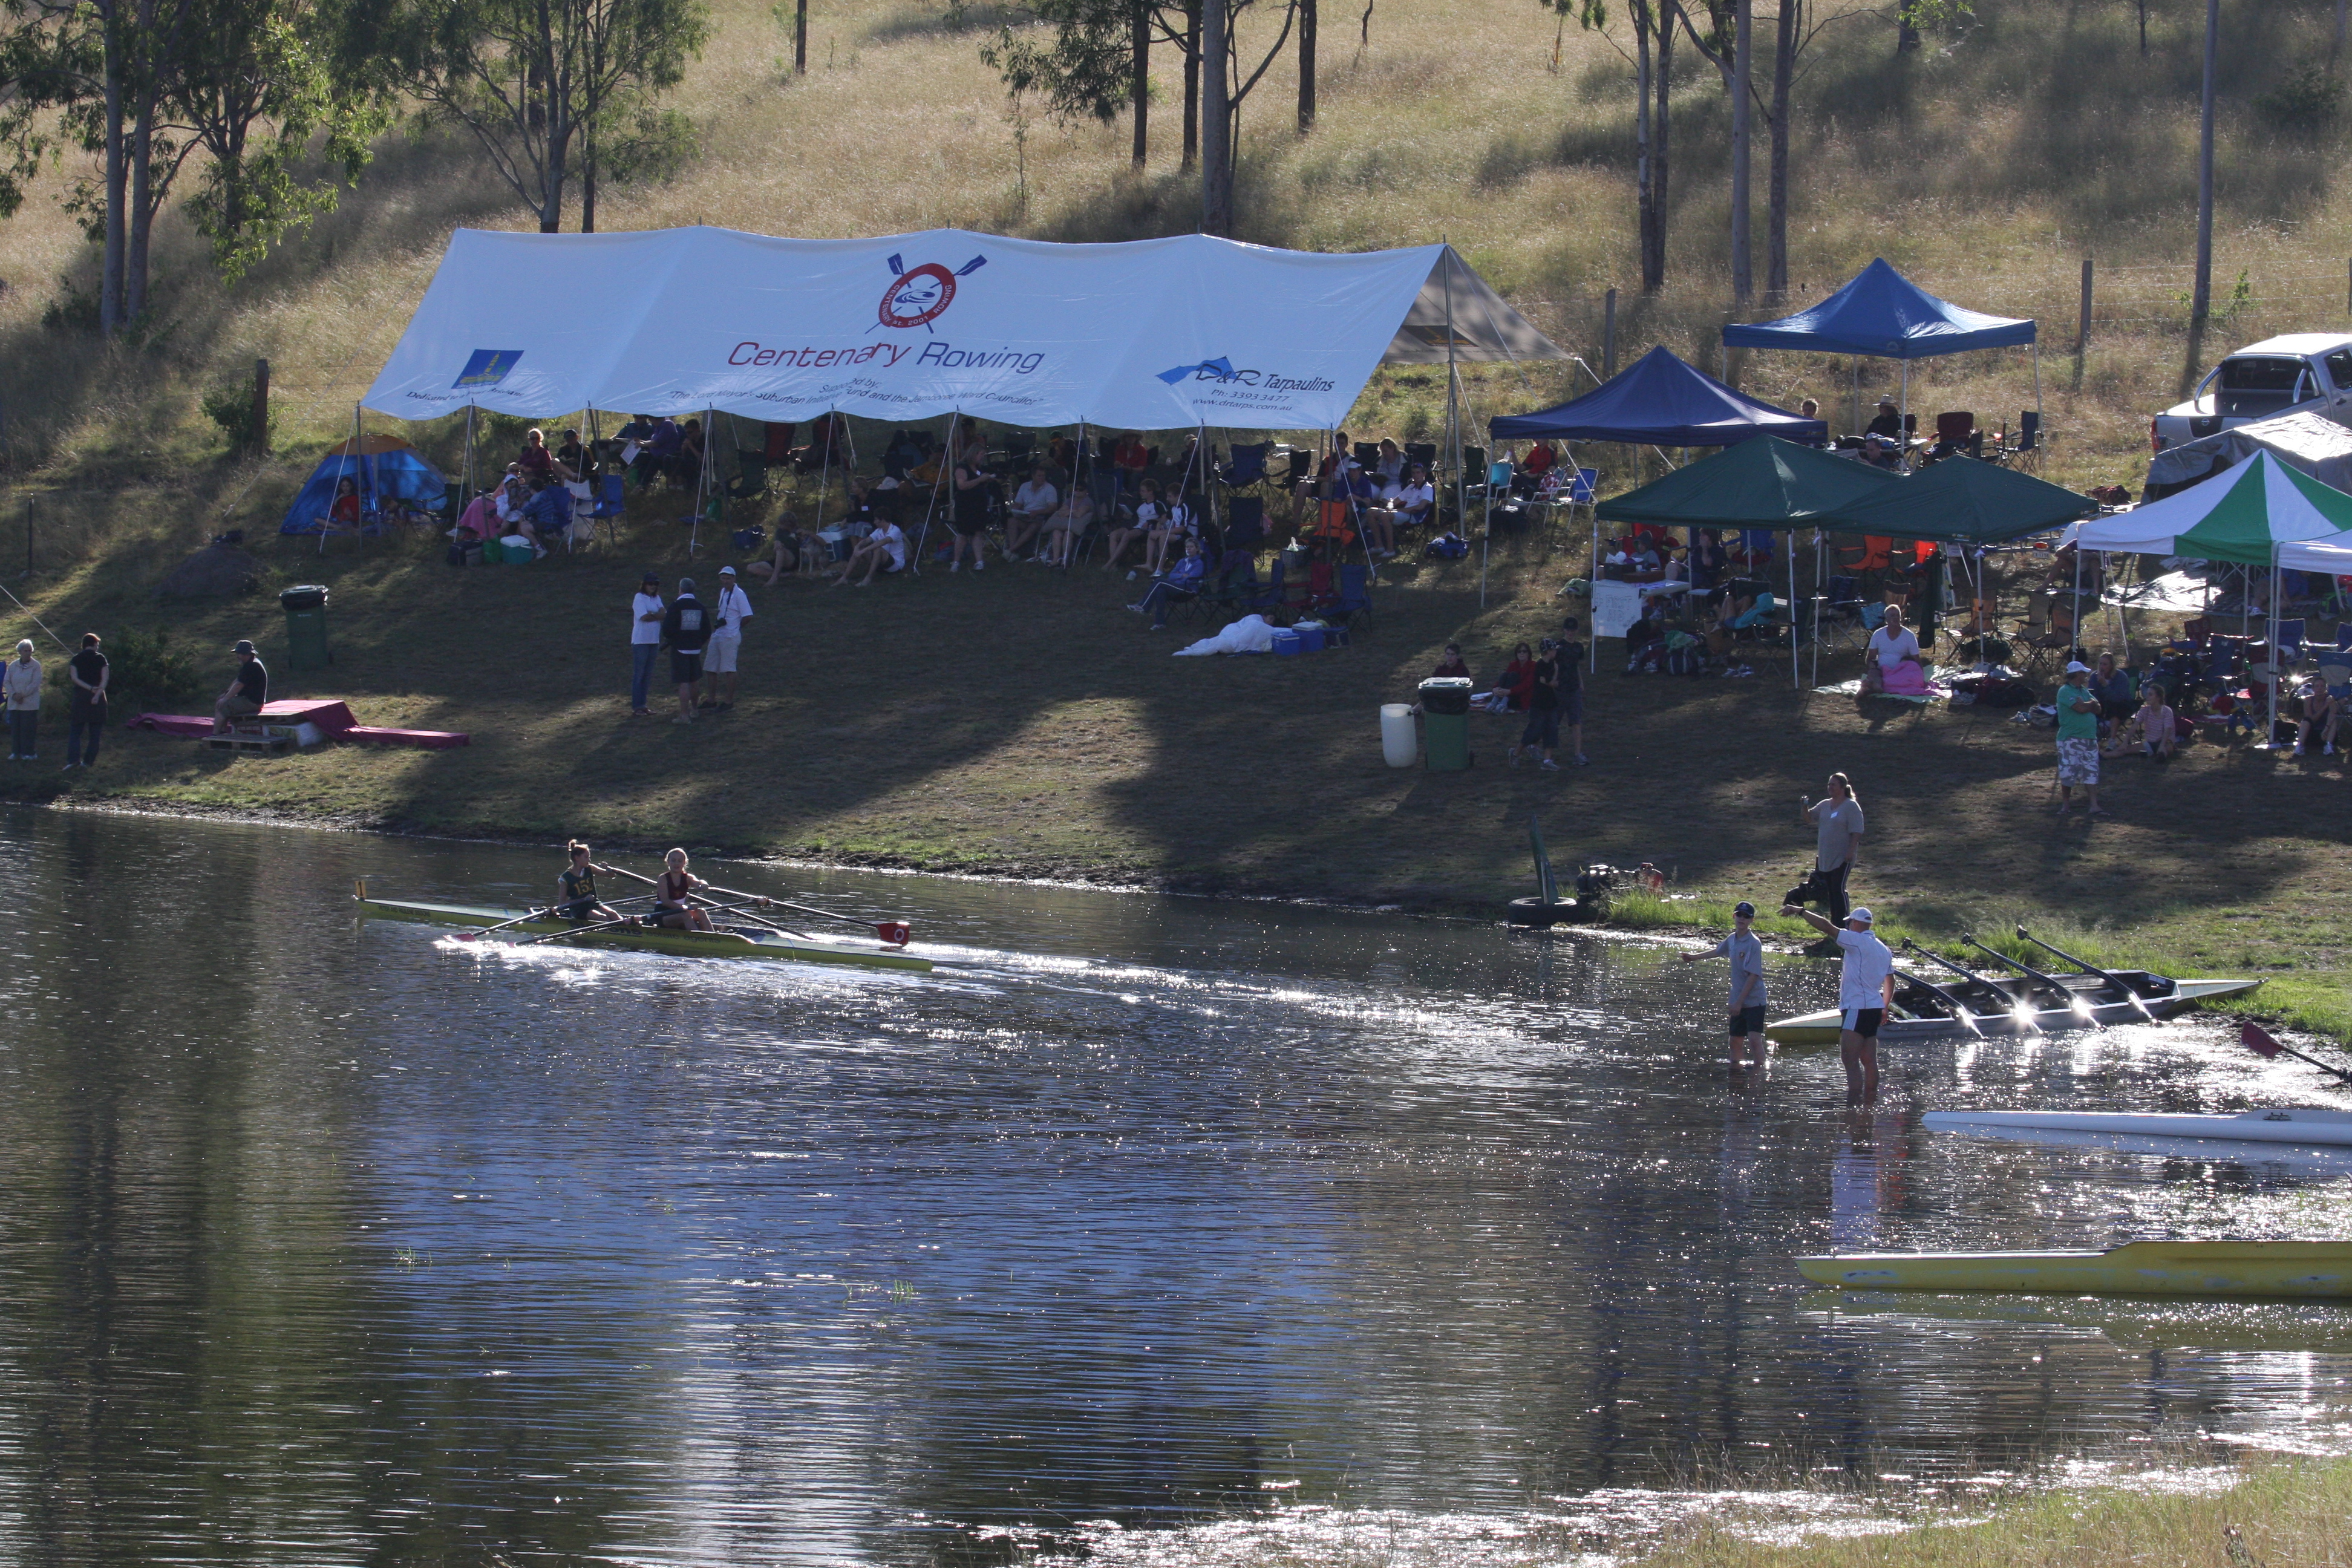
(2078, 740)
(246, 694)
(645, 612)
(719, 655)
(1888, 424)
(1746, 950)
(1865, 991)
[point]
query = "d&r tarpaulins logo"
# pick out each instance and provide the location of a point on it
(1220, 370)
(917, 296)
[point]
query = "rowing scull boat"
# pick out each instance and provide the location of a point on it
(2215, 1269)
(727, 942)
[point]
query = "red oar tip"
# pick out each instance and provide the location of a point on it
(898, 933)
(2257, 1040)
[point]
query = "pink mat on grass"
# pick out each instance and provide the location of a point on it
(333, 719)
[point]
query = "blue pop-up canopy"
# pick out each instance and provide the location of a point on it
(1660, 401)
(1884, 315)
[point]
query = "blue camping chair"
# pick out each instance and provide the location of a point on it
(2289, 652)
(1355, 594)
(1247, 466)
(609, 507)
(1270, 598)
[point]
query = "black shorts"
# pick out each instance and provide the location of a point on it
(1863, 1021)
(1747, 1021)
(1571, 706)
(577, 910)
(684, 666)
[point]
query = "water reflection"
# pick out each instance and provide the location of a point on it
(324, 1244)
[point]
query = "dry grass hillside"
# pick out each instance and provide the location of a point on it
(1987, 165)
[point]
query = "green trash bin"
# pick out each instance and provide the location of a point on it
(1446, 723)
(306, 626)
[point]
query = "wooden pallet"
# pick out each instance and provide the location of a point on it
(264, 742)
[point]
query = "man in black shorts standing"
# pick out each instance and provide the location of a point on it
(1570, 655)
(686, 628)
(1865, 991)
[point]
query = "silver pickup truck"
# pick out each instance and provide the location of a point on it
(2303, 371)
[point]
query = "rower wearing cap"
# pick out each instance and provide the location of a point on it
(247, 694)
(1865, 990)
(1746, 950)
(577, 889)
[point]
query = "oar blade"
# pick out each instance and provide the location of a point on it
(2257, 1039)
(898, 933)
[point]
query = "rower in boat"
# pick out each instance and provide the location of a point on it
(577, 889)
(673, 895)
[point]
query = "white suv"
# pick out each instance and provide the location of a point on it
(2311, 371)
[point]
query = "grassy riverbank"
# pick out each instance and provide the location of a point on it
(1021, 724)
(2283, 1515)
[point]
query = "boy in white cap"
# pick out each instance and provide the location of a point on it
(1865, 990)
(1746, 950)
(734, 607)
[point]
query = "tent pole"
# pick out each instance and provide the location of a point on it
(1853, 416)
(824, 472)
(946, 462)
(701, 485)
(1903, 432)
(1796, 678)
(466, 485)
(2037, 391)
(1591, 582)
(2278, 670)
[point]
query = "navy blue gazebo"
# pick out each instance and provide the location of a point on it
(1660, 401)
(1884, 315)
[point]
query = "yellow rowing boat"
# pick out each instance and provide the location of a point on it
(2210, 1269)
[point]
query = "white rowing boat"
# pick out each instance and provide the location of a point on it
(2309, 1125)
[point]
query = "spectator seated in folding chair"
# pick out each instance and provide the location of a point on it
(1182, 586)
(1709, 562)
(1130, 529)
(1068, 527)
(1541, 459)
(2316, 718)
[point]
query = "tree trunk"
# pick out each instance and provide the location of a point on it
(110, 282)
(2201, 303)
(1743, 277)
(1661, 144)
(551, 214)
(2143, 24)
(1906, 28)
(1140, 40)
(1216, 118)
(1191, 84)
(2334, 40)
(588, 176)
(143, 209)
(1776, 222)
(1646, 190)
(800, 39)
(1307, 65)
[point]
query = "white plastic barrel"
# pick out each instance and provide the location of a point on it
(1399, 742)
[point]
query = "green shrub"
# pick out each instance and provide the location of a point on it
(2305, 101)
(230, 406)
(147, 668)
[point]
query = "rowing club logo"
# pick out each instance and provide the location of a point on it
(918, 295)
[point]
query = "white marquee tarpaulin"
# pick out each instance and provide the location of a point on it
(1149, 335)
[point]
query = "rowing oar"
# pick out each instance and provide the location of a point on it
(519, 920)
(898, 933)
(2130, 995)
(608, 925)
(2257, 1039)
(1959, 1009)
(1965, 972)
(2090, 1011)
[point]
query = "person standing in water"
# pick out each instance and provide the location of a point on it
(1865, 991)
(1746, 950)
(577, 889)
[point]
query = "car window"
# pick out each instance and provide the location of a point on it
(2253, 387)
(2339, 367)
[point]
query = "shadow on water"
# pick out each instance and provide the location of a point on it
(328, 1243)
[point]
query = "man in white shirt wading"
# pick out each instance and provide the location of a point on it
(726, 641)
(645, 613)
(1865, 990)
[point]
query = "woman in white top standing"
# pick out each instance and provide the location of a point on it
(22, 684)
(1890, 645)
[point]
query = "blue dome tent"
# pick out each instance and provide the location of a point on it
(1660, 401)
(388, 471)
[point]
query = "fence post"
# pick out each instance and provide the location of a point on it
(261, 406)
(28, 536)
(1609, 335)
(2083, 332)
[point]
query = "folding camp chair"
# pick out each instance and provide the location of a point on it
(1272, 595)
(1247, 466)
(1355, 595)
(2289, 652)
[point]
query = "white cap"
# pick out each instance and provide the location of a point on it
(2076, 667)
(1858, 913)
(727, 571)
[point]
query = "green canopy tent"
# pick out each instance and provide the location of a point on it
(1960, 501)
(1763, 483)
(2245, 517)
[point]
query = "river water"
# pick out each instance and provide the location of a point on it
(1148, 1229)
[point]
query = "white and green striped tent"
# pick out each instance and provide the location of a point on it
(2256, 516)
